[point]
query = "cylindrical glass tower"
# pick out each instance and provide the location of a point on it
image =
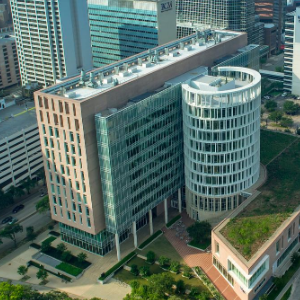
(221, 123)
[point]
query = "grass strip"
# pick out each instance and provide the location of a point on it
(117, 266)
(74, 271)
(150, 239)
(287, 294)
(175, 219)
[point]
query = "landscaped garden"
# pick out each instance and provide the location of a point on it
(173, 277)
(280, 195)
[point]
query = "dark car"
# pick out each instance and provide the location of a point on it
(7, 219)
(17, 208)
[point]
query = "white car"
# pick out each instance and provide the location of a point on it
(284, 94)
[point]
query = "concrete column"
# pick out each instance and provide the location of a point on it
(166, 210)
(118, 246)
(179, 201)
(134, 234)
(150, 222)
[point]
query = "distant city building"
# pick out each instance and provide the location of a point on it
(292, 53)
(121, 126)
(273, 11)
(233, 14)
(9, 66)
(53, 39)
(20, 150)
(120, 29)
(270, 37)
(5, 14)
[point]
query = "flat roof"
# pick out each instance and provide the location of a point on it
(104, 78)
(15, 118)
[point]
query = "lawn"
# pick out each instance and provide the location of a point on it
(161, 246)
(280, 195)
(272, 143)
(154, 269)
(69, 269)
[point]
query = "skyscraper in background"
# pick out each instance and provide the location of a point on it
(120, 29)
(53, 39)
(238, 15)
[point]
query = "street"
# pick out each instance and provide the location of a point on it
(26, 217)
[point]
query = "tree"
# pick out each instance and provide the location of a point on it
(144, 270)
(30, 234)
(187, 271)
(276, 116)
(203, 296)
(200, 232)
(15, 191)
(270, 105)
(45, 246)
(164, 261)
(66, 256)
(10, 231)
(9, 291)
(27, 184)
(286, 122)
(41, 175)
(22, 270)
(134, 270)
(180, 287)
(43, 205)
(42, 274)
(61, 247)
(159, 284)
(175, 266)
(81, 257)
(6, 199)
(291, 108)
(150, 257)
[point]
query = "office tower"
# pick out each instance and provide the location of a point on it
(112, 140)
(53, 39)
(224, 14)
(292, 53)
(9, 67)
(273, 11)
(221, 125)
(120, 29)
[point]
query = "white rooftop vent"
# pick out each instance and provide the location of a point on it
(133, 70)
(174, 54)
(71, 95)
(107, 80)
(188, 48)
(146, 65)
(123, 74)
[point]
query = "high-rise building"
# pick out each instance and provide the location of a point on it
(273, 11)
(120, 29)
(238, 15)
(9, 66)
(292, 53)
(113, 140)
(53, 39)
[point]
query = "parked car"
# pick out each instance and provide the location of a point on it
(284, 94)
(267, 97)
(13, 221)
(298, 98)
(18, 208)
(42, 194)
(7, 219)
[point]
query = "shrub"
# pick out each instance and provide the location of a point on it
(50, 227)
(145, 271)
(46, 244)
(134, 270)
(54, 233)
(35, 246)
(150, 257)
(175, 219)
(175, 266)
(186, 271)
(81, 257)
(61, 247)
(66, 256)
(164, 261)
(30, 234)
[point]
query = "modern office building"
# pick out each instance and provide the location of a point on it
(120, 29)
(53, 39)
(273, 11)
(221, 126)
(121, 126)
(292, 53)
(230, 14)
(20, 150)
(9, 65)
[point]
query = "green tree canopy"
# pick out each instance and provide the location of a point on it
(22, 270)
(291, 108)
(10, 231)
(276, 116)
(200, 231)
(43, 205)
(271, 105)
(286, 122)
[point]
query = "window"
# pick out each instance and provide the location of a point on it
(277, 247)
(289, 233)
(88, 220)
(217, 247)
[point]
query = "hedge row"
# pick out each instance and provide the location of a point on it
(117, 266)
(150, 239)
(54, 233)
(35, 246)
(62, 276)
(175, 219)
(69, 269)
